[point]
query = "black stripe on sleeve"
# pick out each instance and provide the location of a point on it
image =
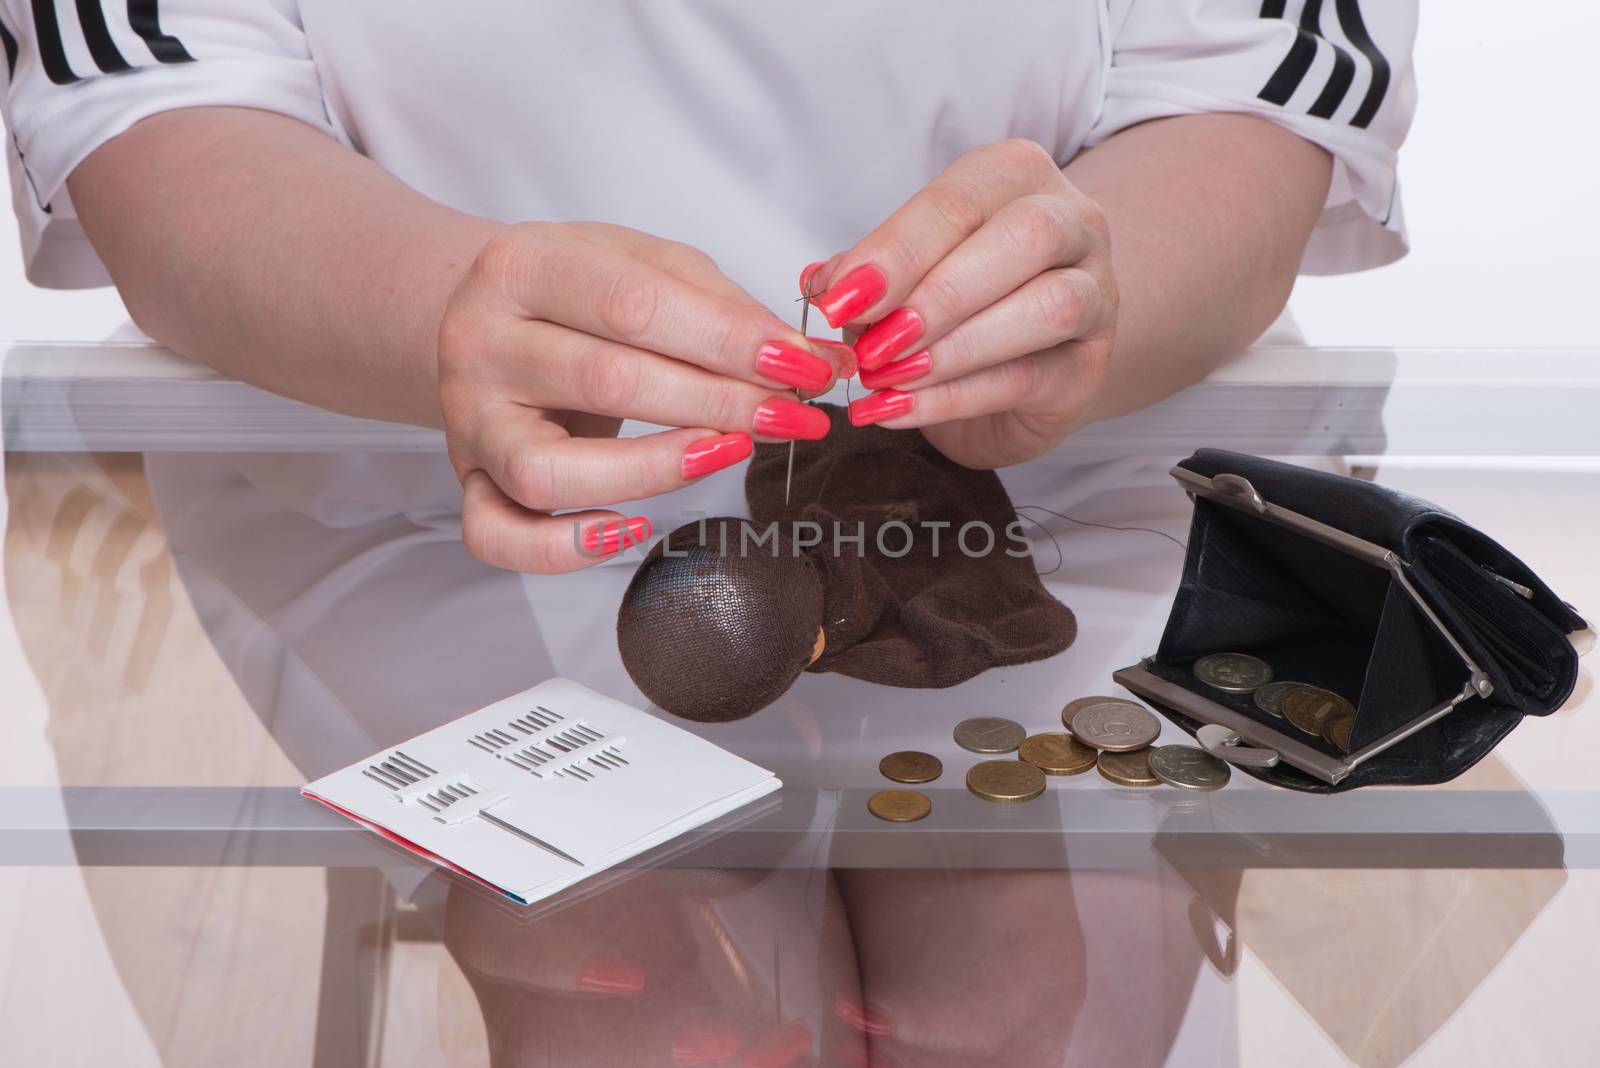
(1344, 66)
(52, 56)
(1355, 29)
(97, 35)
(1273, 9)
(10, 44)
(145, 19)
(1292, 71)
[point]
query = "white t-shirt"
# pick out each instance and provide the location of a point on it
(768, 135)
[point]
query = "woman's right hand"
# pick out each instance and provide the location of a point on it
(557, 333)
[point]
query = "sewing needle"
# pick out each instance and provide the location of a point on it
(805, 314)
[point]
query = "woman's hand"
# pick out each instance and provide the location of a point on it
(986, 307)
(558, 333)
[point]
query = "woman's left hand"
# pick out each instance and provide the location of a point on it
(986, 307)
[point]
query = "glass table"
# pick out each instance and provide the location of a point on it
(213, 595)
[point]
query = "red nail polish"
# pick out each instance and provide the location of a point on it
(607, 976)
(713, 454)
(852, 295)
(865, 1018)
(899, 372)
(806, 273)
(792, 366)
(704, 1045)
(603, 539)
(778, 1050)
(842, 356)
(879, 406)
(888, 338)
(780, 417)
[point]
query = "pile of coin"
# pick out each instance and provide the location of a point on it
(1309, 709)
(1108, 733)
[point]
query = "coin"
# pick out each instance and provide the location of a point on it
(911, 766)
(899, 806)
(1074, 707)
(1115, 725)
(1233, 672)
(1057, 753)
(1309, 707)
(1269, 698)
(989, 734)
(1128, 769)
(1187, 767)
(1336, 732)
(1005, 780)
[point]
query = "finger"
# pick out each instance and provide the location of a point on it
(878, 274)
(1026, 237)
(545, 470)
(502, 533)
(607, 293)
(583, 373)
(1067, 374)
(1053, 307)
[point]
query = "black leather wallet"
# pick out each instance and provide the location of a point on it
(1440, 638)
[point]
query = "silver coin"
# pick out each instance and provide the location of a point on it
(1117, 726)
(1233, 672)
(1269, 698)
(989, 734)
(1187, 767)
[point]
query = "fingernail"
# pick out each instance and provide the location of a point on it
(865, 1018)
(879, 406)
(780, 417)
(611, 976)
(792, 366)
(778, 1050)
(888, 338)
(713, 454)
(603, 539)
(899, 372)
(704, 1045)
(806, 273)
(851, 295)
(842, 355)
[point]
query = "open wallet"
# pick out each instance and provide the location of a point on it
(1439, 637)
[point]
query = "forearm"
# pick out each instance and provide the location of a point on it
(1209, 215)
(254, 244)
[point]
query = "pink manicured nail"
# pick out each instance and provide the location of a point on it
(780, 417)
(851, 295)
(713, 454)
(888, 338)
(806, 273)
(778, 1050)
(879, 406)
(603, 539)
(899, 372)
(792, 366)
(607, 976)
(842, 355)
(868, 1019)
(704, 1045)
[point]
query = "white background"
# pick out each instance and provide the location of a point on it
(1501, 178)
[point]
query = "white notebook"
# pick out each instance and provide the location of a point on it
(543, 789)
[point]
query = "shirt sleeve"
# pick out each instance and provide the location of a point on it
(1338, 73)
(78, 74)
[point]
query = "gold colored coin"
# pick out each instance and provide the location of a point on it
(1074, 707)
(1057, 753)
(911, 766)
(1005, 780)
(899, 806)
(1309, 707)
(1128, 769)
(1336, 732)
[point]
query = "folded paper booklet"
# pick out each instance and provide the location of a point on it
(542, 790)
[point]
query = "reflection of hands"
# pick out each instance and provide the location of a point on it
(643, 974)
(962, 968)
